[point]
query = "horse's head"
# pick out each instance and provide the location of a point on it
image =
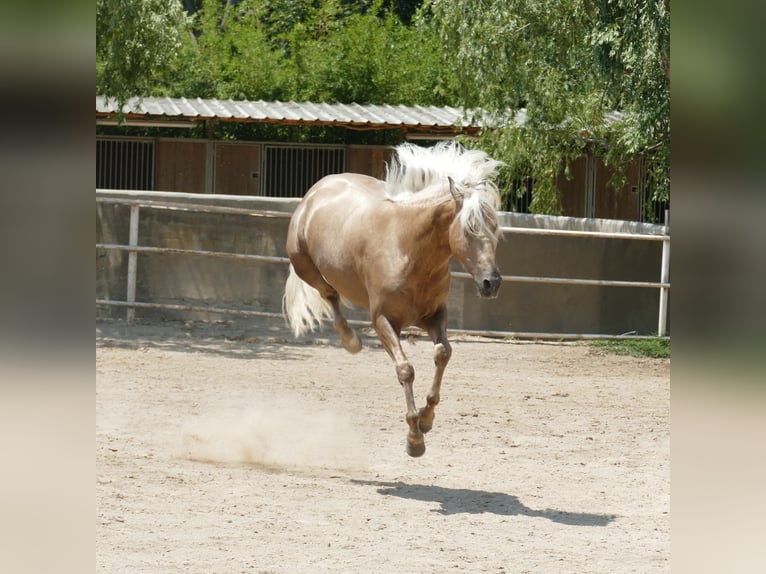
(474, 232)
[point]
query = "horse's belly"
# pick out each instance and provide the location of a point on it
(347, 283)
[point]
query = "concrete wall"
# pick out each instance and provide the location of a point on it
(526, 307)
(194, 279)
(521, 307)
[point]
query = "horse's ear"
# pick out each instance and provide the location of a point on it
(456, 195)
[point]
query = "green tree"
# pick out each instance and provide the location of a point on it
(137, 43)
(318, 50)
(369, 57)
(569, 64)
(230, 56)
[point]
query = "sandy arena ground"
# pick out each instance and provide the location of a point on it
(227, 449)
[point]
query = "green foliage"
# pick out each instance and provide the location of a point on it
(635, 42)
(569, 63)
(302, 50)
(653, 348)
(232, 55)
(367, 58)
(137, 43)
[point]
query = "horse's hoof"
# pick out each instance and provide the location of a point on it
(426, 420)
(425, 425)
(416, 449)
(353, 344)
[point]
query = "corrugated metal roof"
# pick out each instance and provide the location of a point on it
(426, 119)
(350, 115)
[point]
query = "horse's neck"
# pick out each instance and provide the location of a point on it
(427, 228)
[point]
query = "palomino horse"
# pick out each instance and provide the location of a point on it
(386, 246)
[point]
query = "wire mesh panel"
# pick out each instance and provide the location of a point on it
(651, 210)
(521, 197)
(124, 164)
(289, 171)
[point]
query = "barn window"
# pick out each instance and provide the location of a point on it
(124, 164)
(289, 171)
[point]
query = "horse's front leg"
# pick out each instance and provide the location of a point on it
(437, 330)
(389, 336)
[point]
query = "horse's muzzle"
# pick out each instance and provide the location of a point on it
(489, 284)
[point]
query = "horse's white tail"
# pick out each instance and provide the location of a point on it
(303, 305)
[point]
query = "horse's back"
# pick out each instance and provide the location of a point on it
(330, 230)
(353, 189)
(333, 204)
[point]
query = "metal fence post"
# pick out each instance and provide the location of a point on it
(132, 263)
(664, 277)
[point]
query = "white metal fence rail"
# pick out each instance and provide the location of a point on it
(134, 248)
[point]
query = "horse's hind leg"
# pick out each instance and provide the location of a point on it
(389, 336)
(437, 330)
(348, 336)
(307, 271)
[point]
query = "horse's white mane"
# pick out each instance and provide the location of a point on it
(419, 173)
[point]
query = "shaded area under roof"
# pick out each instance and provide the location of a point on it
(424, 119)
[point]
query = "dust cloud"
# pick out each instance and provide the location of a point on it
(275, 433)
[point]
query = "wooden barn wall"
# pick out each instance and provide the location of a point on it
(368, 160)
(622, 203)
(181, 166)
(607, 202)
(573, 190)
(228, 168)
(237, 169)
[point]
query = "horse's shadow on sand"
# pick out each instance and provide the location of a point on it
(464, 500)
